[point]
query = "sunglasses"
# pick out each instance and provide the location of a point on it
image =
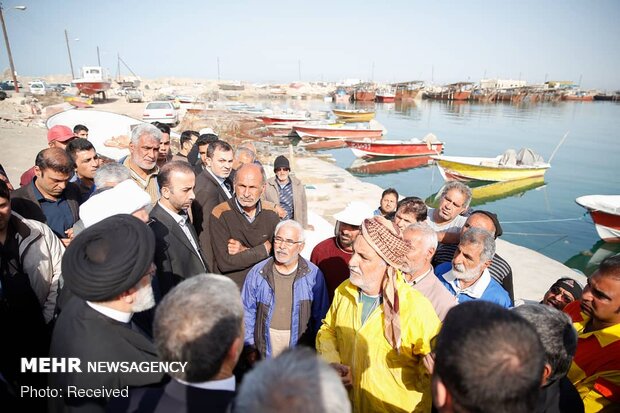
(564, 297)
(282, 169)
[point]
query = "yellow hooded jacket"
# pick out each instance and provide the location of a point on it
(383, 380)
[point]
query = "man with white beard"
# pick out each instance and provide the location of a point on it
(284, 297)
(469, 279)
(108, 269)
(142, 159)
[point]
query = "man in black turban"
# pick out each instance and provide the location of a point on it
(108, 268)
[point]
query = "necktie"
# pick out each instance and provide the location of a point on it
(228, 185)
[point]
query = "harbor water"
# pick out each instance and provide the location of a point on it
(540, 214)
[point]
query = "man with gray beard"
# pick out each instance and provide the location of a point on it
(469, 278)
(142, 159)
(108, 268)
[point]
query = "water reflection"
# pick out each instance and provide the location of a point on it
(588, 261)
(385, 165)
(483, 192)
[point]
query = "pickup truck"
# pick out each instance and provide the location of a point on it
(134, 95)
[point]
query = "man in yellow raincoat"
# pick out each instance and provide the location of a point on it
(378, 329)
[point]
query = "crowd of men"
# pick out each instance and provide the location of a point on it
(195, 260)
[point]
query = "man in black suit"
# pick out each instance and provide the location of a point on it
(200, 322)
(177, 252)
(108, 268)
(50, 197)
(212, 188)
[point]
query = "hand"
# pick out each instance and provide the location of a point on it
(281, 211)
(345, 374)
(429, 362)
(65, 241)
(310, 227)
(267, 245)
(235, 247)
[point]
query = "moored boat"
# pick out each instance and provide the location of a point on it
(94, 80)
(356, 115)
(364, 95)
(377, 166)
(393, 148)
(605, 212)
(335, 132)
(271, 119)
(385, 96)
(500, 168)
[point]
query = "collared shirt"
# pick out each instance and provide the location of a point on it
(595, 370)
(220, 181)
(182, 221)
(57, 212)
(224, 384)
(245, 214)
(485, 288)
(420, 278)
(149, 184)
(117, 315)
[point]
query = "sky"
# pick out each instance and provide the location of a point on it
(284, 41)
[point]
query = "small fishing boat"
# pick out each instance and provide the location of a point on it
(356, 115)
(271, 119)
(378, 166)
(507, 167)
(386, 95)
(94, 80)
(605, 212)
(429, 145)
(336, 132)
(322, 144)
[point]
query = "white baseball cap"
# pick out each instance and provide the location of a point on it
(355, 213)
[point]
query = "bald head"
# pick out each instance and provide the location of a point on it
(480, 221)
(55, 159)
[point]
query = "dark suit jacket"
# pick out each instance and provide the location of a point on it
(25, 203)
(85, 333)
(172, 398)
(209, 194)
(175, 257)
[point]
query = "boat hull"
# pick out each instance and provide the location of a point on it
(270, 120)
(388, 165)
(92, 88)
(453, 168)
(386, 98)
(351, 116)
(606, 222)
(394, 148)
(337, 132)
(364, 96)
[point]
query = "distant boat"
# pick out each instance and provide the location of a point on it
(323, 144)
(364, 95)
(454, 91)
(335, 132)
(377, 166)
(578, 96)
(393, 148)
(231, 86)
(605, 212)
(356, 115)
(94, 80)
(271, 119)
(385, 96)
(341, 95)
(465, 168)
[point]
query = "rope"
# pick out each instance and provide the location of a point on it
(542, 234)
(545, 220)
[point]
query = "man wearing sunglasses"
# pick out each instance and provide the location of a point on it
(563, 292)
(287, 192)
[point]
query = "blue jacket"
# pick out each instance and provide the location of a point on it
(310, 304)
(492, 292)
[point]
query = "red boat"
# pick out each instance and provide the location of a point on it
(364, 96)
(388, 165)
(414, 147)
(335, 132)
(605, 212)
(385, 96)
(93, 81)
(270, 120)
(322, 144)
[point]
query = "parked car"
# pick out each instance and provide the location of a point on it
(3, 95)
(39, 88)
(11, 84)
(160, 111)
(6, 86)
(134, 95)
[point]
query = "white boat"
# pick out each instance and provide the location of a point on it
(605, 212)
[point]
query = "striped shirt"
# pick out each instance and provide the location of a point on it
(286, 198)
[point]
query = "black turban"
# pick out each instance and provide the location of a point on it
(108, 258)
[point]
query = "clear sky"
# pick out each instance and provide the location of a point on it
(270, 41)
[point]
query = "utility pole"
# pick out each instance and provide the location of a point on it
(8, 50)
(69, 51)
(218, 69)
(98, 58)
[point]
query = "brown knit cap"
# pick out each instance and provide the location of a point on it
(384, 237)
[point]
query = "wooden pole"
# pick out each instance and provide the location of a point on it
(8, 50)
(69, 51)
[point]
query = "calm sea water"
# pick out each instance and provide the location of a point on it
(542, 215)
